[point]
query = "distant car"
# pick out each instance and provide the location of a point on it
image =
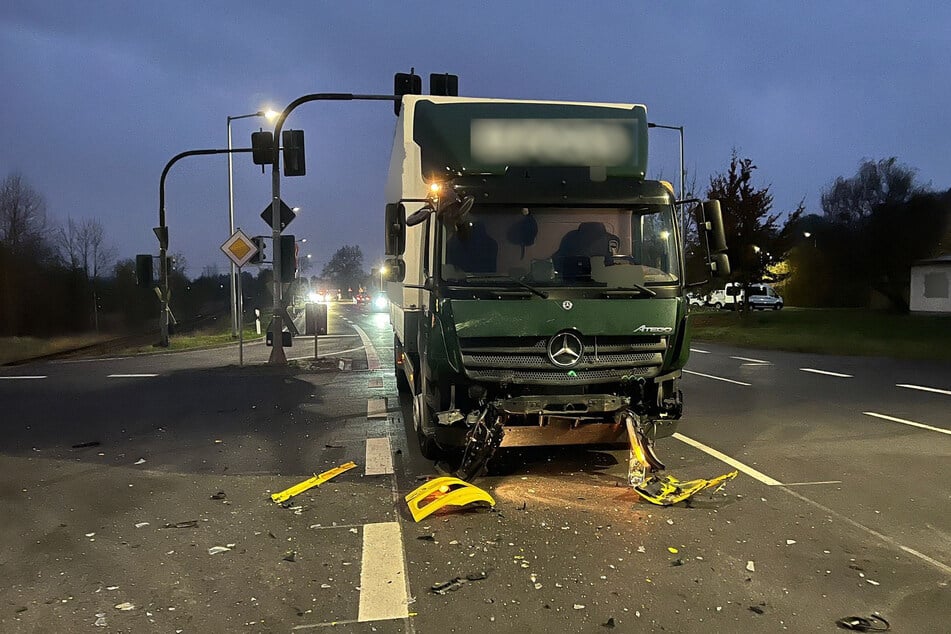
(361, 299)
(763, 296)
(696, 300)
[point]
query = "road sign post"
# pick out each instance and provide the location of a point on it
(240, 249)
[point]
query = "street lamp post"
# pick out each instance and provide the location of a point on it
(233, 289)
(382, 273)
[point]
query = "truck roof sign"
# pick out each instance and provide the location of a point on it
(488, 136)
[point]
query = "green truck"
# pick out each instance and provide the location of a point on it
(536, 277)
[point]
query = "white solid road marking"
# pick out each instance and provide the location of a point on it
(379, 459)
(376, 407)
(754, 361)
(87, 360)
(718, 378)
(373, 360)
(736, 464)
(382, 574)
(802, 484)
(130, 376)
(700, 351)
(826, 373)
(923, 388)
(325, 355)
(909, 422)
(23, 376)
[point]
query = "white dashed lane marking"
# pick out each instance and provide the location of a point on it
(923, 388)
(699, 351)
(379, 458)
(908, 422)
(753, 361)
(131, 376)
(722, 457)
(716, 378)
(826, 373)
(383, 574)
(23, 376)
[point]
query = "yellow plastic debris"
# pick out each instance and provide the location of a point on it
(444, 491)
(310, 483)
(667, 490)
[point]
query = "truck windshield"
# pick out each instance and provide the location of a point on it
(622, 247)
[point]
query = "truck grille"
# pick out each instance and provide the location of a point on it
(524, 360)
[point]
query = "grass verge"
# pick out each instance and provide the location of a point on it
(830, 331)
(22, 348)
(206, 338)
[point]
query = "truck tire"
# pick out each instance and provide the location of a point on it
(402, 383)
(427, 442)
(718, 305)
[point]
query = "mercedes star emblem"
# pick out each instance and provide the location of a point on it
(567, 304)
(565, 349)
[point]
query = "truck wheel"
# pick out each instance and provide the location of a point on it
(718, 305)
(426, 441)
(402, 383)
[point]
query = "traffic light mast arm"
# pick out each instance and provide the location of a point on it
(277, 323)
(163, 231)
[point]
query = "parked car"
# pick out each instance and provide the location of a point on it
(696, 300)
(762, 296)
(730, 296)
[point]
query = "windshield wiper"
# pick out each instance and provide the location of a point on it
(542, 294)
(638, 288)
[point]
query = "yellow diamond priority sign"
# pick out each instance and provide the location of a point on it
(239, 248)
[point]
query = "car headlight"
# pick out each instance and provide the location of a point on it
(380, 302)
(313, 297)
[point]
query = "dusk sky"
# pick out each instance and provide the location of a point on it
(98, 95)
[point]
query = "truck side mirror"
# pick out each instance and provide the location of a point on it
(712, 224)
(395, 237)
(395, 270)
(419, 215)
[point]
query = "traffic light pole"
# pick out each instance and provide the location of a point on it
(161, 233)
(277, 321)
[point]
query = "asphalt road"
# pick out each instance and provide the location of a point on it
(842, 507)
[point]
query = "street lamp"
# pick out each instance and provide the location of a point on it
(808, 235)
(269, 115)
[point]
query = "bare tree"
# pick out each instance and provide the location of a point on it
(67, 243)
(22, 215)
(876, 183)
(93, 253)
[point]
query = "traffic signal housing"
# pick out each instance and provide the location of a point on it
(293, 141)
(406, 84)
(262, 147)
(288, 258)
(143, 270)
(444, 84)
(259, 257)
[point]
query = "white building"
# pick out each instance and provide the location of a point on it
(931, 285)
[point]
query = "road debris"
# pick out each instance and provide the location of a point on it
(84, 445)
(790, 542)
(290, 555)
(220, 495)
(185, 524)
(125, 606)
(333, 446)
(874, 623)
(101, 620)
(609, 623)
(578, 606)
(672, 550)
(139, 461)
(310, 483)
(427, 538)
(751, 566)
(141, 524)
(454, 584)
(758, 609)
(445, 491)
(214, 550)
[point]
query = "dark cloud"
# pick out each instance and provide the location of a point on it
(99, 95)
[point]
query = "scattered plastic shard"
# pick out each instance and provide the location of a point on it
(751, 566)
(141, 524)
(83, 445)
(125, 607)
(290, 555)
(454, 584)
(666, 490)
(874, 623)
(101, 620)
(310, 483)
(444, 491)
(139, 461)
(214, 550)
(220, 495)
(185, 524)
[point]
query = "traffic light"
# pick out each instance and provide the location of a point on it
(288, 258)
(444, 84)
(406, 84)
(262, 148)
(293, 152)
(259, 257)
(143, 270)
